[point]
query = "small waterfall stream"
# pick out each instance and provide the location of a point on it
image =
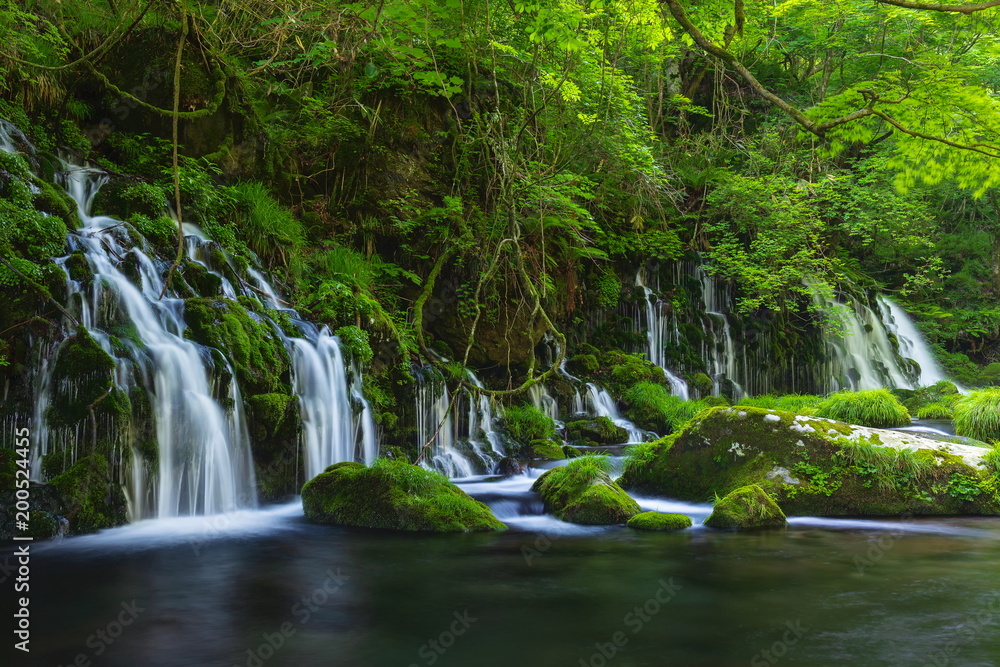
(660, 330)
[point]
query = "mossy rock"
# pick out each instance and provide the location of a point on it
(659, 521)
(525, 424)
(83, 373)
(545, 449)
(628, 370)
(261, 362)
(702, 383)
(584, 364)
(571, 452)
(54, 201)
(393, 495)
(91, 499)
(595, 431)
(745, 508)
(583, 492)
(812, 466)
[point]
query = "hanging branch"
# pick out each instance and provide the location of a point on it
(961, 9)
(177, 173)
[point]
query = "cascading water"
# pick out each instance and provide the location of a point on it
(660, 330)
(718, 349)
(201, 460)
(203, 464)
(603, 405)
(460, 438)
(540, 397)
(912, 344)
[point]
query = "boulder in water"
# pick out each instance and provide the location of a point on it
(660, 521)
(394, 495)
(595, 431)
(583, 492)
(813, 466)
(545, 449)
(746, 507)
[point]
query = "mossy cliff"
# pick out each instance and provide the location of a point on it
(393, 495)
(814, 466)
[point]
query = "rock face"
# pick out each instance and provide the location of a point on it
(814, 466)
(394, 495)
(583, 492)
(745, 508)
(659, 521)
(595, 431)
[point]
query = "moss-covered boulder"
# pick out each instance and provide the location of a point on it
(90, 498)
(814, 466)
(583, 492)
(595, 431)
(659, 521)
(394, 495)
(549, 450)
(274, 429)
(745, 508)
(259, 356)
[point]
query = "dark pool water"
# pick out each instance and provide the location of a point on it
(220, 591)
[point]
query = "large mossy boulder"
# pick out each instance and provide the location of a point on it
(745, 508)
(394, 495)
(595, 431)
(814, 466)
(583, 492)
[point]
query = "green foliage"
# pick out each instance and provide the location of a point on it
(935, 411)
(891, 469)
(800, 404)
(525, 423)
(269, 230)
(652, 407)
(875, 407)
(355, 339)
(977, 415)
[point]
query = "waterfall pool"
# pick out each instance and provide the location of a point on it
(263, 587)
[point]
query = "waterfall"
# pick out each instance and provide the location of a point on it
(540, 397)
(861, 356)
(721, 360)
(912, 344)
(204, 464)
(659, 331)
(604, 406)
(463, 440)
(201, 461)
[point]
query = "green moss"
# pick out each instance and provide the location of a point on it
(812, 466)
(525, 423)
(202, 281)
(55, 201)
(545, 449)
(652, 407)
(81, 376)
(42, 525)
(702, 383)
(355, 339)
(595, 431)
(571, 452)
(628, 370)
(259, 357)
(659, 521)
(583, 492)
(91, 500)
(877, 408)
(745, 508)
(584, 364)
(393, 495)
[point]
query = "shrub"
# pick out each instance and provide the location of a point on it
(977, 415)
(877, 408)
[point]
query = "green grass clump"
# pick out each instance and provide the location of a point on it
(892, 469)
(935, 411)
(659, 521)
(525, 423)
(654, 408)
(877, 408)
(977, 415)
(800, 404)
(268, 228)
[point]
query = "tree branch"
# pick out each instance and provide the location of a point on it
(929, 6)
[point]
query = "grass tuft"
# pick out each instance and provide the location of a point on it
(877, 408)
(977, 415)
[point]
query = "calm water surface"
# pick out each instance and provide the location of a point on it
(220, 590)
